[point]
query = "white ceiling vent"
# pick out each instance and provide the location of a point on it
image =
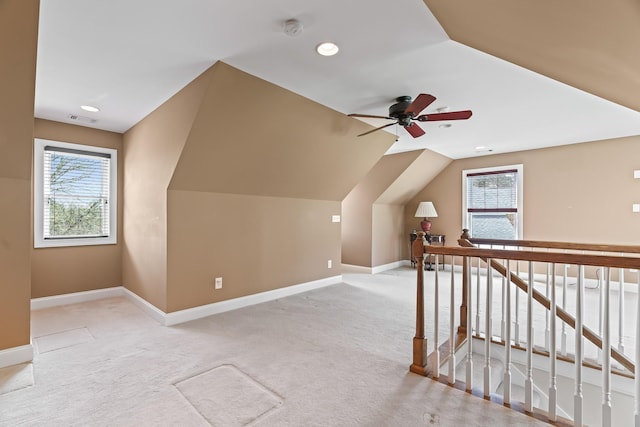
(81, 118)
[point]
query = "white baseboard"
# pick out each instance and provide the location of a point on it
(194, 313)
(358, 269)
(144, 305)
(355, 269)
(76, 297)
(181, 316)
(16, 355)
(386, 267)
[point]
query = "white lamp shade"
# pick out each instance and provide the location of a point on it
(426, 210)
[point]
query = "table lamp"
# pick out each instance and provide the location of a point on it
(426, 210)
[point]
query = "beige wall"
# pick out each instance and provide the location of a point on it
(254, 243)
(253, 194)
(209, 190)
(253, 137)
(358, 229)
(389, 239)
(18, 43)
(151, 151)
(373, 226)
(56, 271)
(576, 193)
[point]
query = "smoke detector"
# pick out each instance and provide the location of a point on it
(292, 27)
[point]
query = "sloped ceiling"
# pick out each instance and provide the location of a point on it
(593, 45)
(292, 147)
(128, 57)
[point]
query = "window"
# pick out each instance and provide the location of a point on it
(492, 202)
(74, 194)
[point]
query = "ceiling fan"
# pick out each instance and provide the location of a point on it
(404, 112)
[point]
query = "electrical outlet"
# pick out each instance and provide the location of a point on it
(329, 264)
(335, 218)
(636, 207)
(218, 283)
(636, 174)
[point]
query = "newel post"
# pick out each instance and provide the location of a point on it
(419, 365)
(462, 328)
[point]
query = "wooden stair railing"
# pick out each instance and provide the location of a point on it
(561, 253)
(561, 313)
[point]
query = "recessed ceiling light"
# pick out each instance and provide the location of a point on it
(90, 108)
(445, 125)
(481, 147)
(327, 49)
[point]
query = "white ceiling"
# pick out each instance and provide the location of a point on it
(128, 57)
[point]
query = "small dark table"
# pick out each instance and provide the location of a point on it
(433, 239)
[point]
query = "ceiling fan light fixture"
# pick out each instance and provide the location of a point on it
(90, 108)
(327, 49)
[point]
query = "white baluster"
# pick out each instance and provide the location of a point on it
(506, 382)
(487, 331)
(577, 404)
(606, 354)
(600, 274)
(528, 383)
(636, 398)
(452, 327)
(436, 350)
(546, 314)
(516, 326)
(478, 297)
(621, 312)
(553, 387)
(502, 320)
(469, 381)
(563, 335)
(504, 306)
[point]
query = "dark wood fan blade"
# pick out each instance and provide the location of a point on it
(414, 130)
(376, 129)
(420, 103)
(370, 116)
(454, 115)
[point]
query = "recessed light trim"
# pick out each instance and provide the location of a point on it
(90, 108)
(327, 49)
(445, 125)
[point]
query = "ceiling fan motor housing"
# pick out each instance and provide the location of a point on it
(397, 110)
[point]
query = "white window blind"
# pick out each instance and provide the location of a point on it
(493, 191)
(493, 202)
(75, 194)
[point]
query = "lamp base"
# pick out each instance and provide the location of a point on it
(425, 224)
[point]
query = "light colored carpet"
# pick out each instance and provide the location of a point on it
(62, 339)
(336, 356)
(226, 396)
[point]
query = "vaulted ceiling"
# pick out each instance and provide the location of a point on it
(535, 74)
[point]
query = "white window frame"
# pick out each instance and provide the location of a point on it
(520, 213)
(38, 199)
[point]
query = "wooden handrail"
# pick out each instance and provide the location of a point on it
(551, 257)
(592, 247)
(468, 250)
